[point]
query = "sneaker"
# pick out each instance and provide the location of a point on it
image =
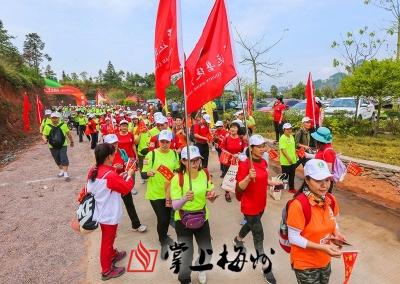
(133, 191)
(242, 222)
(113, 273)
(142, 181)
(141, 229)
(202, 277)
(170, 241)
(222, 175)
(269, 277)
(164, 252)
(292, 191)
(228, 197)
(61, 173)
(67, 178)
(238, 244)
(120, 255)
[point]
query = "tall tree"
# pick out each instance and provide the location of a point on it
(274, 91)
(298, 92)
(253, 55)
(33, 55)
(49, 73)
(84, 75)
(377, 79)
(8, 52)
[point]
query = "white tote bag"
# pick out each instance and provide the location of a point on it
(276, 191)
(229, 182)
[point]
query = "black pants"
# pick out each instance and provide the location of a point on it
(254, 225)
(312, 140)
(203, 239)
(82, 129)
(95, 138)
(130, 208)
(204, 152)
(221, 166)
(330, 190)
(163, 217)
(278, 130)
(215, 116)
(302, 161)
(290, 172)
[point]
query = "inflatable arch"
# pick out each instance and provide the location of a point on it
(54, 88)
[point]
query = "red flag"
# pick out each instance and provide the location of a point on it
(39, 111)
(349, 258)
(141, 128)
(310, 103)
(301, 153)
(167, 173)
(211, 64)
(225, 158)
(27, 109)
(272, 154)
(249, 103)
(166, 47)
(353, 169)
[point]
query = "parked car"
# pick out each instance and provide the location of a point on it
(365, 107)
(287, 102)
(259, 105)
(228, 105)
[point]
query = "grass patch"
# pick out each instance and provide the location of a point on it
(384, 148)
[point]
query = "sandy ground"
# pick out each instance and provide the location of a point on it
(37, 244)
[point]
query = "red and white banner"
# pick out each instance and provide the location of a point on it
(167, 173)
(301, 153)
(353, 169)
(39, 110)
(168, 49)
(102, 98)
(211, 64)
(225, 158)
(272, 154)
(27, 109)
(349, 258)
(310, 100)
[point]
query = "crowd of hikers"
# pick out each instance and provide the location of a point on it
(179, 185)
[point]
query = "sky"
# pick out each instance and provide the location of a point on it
(85, 35)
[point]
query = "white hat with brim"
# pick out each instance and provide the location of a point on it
(55, 114)
(161, 120)
(123, 122)
(207, 118)
(47, 111)
(219, 123)
(287, 126)
(306, 119)
(110, 138)
(256, 140)
(165, 135)
(194, 152)
(317, 169)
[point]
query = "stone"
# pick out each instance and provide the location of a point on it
(393, 183)
(380, 177)
(376, 172)
(388, 174)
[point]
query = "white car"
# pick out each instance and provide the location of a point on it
(365, 107)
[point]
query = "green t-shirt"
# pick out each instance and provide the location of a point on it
(199, 187)
(156, 184)
(64, 128)
(81, 120)
(45, 121)
(289, 145)
(144, 139)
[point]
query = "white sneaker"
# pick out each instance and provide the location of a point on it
(142, 181)
(61, 174)
(141, 229)
(202, 277)
(67, 178)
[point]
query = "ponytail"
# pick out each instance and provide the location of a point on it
(101, 152)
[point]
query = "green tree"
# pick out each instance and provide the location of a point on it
(8, 52)
(298, 92)
(117, 95)
(274, 91)
(327, 92)
(84, 75)
(377, 79)
(49, 73)
(74, 77)
(111, 77)
(33, 55)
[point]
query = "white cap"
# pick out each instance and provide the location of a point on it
(128, 108)
(203, 111)
(107, 118)
(92, 115)
(157, 114)
(114, 120)
(47, 111)
(161, 120)
(121, 115)
(219, 123)
(134, 116)
(194, 153)
(256, 140)
(139, 110)
(317, 169)
(123, 121)
(238, 121)
(239, 112)
(306, 119)
(207, 118)
(134, 113)
(287, 126)
(317, 100)
(144, 112)
(110, 138)
(116, 112)
(165, 135)
(55, 114)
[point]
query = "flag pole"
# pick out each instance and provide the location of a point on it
(245, 122)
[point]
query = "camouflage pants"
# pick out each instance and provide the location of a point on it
(313, 275)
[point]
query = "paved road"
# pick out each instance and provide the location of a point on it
(368, 227)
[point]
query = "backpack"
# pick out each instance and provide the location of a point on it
(124, 155)
(181, 179)
(56, 136)
(306, 206)
(85, 212)
(339, 169)
(191, 132)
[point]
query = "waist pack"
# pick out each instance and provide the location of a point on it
(193, 219)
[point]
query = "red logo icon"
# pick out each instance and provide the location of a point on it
(142, 260)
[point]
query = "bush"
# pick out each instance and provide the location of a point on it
(264, 122)
(392, 124)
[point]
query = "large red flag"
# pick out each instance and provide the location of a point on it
(211, 64)
(39, 110)
(27, 109)
(167, 45)
(310, 103)
(249, 103)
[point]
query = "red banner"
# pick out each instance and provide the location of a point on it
(249, 103)
(301, 153)
(353, 169)
(39, 111)
(165, 172)
(225, 158)
(349, 258)
(141, 128)
(272, 154)
(310, 100)
(131, 164)
(27, 109)
(166, 45)
(211, 65)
